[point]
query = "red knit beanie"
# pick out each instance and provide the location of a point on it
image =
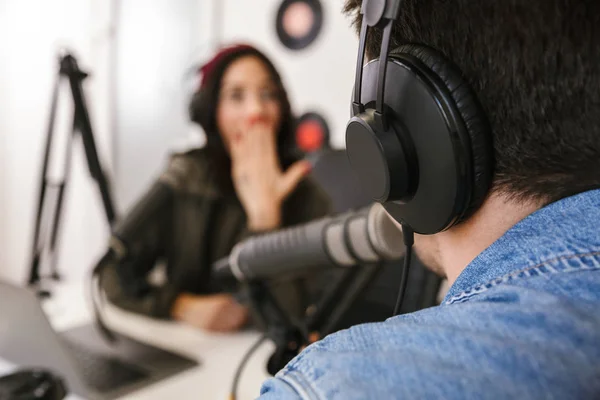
(208, 69)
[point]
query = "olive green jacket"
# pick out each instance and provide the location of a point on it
(194, 227)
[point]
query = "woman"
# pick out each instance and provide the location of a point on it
(246, 180)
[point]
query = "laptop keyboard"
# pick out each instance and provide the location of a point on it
(104, 373)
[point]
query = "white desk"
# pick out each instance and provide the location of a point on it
(219, 354)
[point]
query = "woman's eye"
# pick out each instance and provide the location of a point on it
(236, 95)
(269, 95)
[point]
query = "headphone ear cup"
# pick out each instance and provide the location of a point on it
(472, 114)
(194, 105)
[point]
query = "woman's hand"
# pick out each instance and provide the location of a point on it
(218, 313)
(260, 183)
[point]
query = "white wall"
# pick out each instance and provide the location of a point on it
(33, 30)
(319, 77)
(156, 47)
(3, 45)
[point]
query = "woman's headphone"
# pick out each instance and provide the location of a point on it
(418, 139)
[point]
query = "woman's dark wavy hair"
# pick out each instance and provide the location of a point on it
(203, 111)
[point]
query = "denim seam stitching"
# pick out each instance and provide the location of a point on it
(297, 381)
(467, 294)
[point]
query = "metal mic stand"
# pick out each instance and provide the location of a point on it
(322, 319)
(289, 337)
(68, 69)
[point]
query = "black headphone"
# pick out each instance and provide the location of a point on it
(418, 140)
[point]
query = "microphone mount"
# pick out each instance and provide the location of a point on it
(321, 319)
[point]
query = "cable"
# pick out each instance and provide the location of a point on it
(409, 239)
(238, 372)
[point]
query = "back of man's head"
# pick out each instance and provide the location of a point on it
(535, 66)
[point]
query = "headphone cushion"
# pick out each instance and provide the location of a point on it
(471, 113)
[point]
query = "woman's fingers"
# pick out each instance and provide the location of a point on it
(293, 176)
(257, 146)
(237, 145)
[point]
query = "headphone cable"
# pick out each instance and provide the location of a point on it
(242, 364)
(409, 239)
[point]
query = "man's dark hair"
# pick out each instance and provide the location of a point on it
(535, 66)
(203, 111)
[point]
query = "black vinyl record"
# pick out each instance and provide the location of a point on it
(299, 23)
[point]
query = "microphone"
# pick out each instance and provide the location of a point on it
(365, 236)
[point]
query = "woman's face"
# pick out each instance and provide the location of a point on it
(247, 94)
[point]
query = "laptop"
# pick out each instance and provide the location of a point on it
(90, 367)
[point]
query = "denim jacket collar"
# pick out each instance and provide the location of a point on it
(553, 232)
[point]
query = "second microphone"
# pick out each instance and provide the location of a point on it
(362, 237)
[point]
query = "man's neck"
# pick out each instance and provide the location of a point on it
(461, 244)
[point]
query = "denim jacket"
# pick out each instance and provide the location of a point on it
(522, 321)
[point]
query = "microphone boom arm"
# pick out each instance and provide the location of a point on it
(69, 69)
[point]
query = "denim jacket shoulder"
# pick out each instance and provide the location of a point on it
(522, 321)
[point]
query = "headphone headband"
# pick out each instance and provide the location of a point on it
(375, 13)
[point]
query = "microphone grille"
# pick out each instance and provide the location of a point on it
(385, 235)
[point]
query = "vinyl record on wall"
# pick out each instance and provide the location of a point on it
(299, 22)
(312, 133)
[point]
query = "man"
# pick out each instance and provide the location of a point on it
(522, 317)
